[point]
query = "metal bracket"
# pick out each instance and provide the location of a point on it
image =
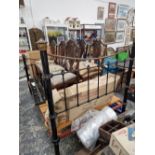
(53, 116)
(46, 76)
(56, 140)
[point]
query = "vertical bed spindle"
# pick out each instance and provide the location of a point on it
(52, 115)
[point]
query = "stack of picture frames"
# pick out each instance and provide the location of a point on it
(122, 13)
(115, 24)
(110, 24)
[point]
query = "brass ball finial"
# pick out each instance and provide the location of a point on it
(41, 44)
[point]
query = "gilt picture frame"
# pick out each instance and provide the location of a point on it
(111, 10)
(110, 37)
(100, 13)
(130, 35)
(110, 24)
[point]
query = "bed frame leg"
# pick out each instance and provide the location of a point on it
(132, 56)
(26, 71)
(44, 59)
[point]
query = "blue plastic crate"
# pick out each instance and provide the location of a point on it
(111, 61)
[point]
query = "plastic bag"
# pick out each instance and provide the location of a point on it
(88, 133)
(78, 123)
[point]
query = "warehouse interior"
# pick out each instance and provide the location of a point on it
(77, 77)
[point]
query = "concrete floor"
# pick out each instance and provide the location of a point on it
(33, 135)
(33, 138)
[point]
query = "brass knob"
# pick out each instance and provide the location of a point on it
(42, 44)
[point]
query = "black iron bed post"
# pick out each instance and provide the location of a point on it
(107, 78)
(98, 79)
(44, 59)
(88, 69)
(115, 76)
(65, 97)
(123, 74)
(26, 71)
(25, 67)
(132, 56)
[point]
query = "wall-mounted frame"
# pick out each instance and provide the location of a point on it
(122, 11)
(110, 24)
(131, 17)
(110, 37)
(120, 36)
(121, 24)
(100, 13)
(21, 3)
(112, 10)
(130, 34)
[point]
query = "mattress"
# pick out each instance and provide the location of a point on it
(71, 97)
(57, 80)
(71, 92)
(93, 70)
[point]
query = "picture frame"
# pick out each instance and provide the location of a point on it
(110, 24)
(122, 11)
(131, 17)
(130, 35)
(111, 10)
(120, 36)
(110, 36)
(121, 24)
(103, 32)
(100, 13)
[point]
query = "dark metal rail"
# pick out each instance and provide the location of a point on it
(46, 80)
(100, 67)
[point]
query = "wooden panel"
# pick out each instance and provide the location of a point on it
(71, 92)
(65, 119)
(32, 57)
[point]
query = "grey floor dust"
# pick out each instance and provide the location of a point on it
(33, 138)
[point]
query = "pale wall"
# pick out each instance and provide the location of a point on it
(85, 10)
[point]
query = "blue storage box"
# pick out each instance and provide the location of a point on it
(112, 65)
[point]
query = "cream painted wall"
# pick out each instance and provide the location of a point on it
(85, 10)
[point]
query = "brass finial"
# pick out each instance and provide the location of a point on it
(41, 44)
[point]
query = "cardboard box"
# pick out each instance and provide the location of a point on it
(71, 92)
(121, 143)
(78, 111)
(83, 151)
(74, 113)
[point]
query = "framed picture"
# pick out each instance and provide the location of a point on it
(110, 37)
(110, 24)
(122, 11)
(130, 17)
(112, 10)
(103, 32)
(100, 13)
(121, 24)
(130, 35)
(120, 36)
